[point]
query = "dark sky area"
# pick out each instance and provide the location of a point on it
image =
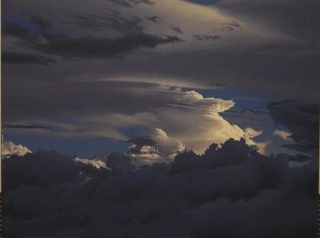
(160, 118)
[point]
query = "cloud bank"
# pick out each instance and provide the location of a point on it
(230, 191)
(46, 40)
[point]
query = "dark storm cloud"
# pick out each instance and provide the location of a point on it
(203, 2)
(88, 47)
(43, 169)
(302, 119)
(22, 126)
(15, 58)
(248, 110)
(131, 3)
(230, 191)
(101, 47)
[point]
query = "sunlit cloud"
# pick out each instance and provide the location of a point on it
(191, 120)
(282, 134)
(8, 148)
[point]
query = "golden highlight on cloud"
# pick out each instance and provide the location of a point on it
(8, 149)
(282, 134)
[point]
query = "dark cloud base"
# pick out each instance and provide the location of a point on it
(131, 3)
(132, 38)
(22, 126)
(203, 2)
(229, 192)
(302, 119)
(102, 47)
(14, 58)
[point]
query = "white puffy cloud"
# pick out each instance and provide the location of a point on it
(8, 148)
(168, 145)
(197, 101)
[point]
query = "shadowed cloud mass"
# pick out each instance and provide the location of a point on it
(302, 120)
(215, 194)
(97, 47)
(14, 58)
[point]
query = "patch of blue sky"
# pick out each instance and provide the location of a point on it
(29, 26)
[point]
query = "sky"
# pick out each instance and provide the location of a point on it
(93, 77)
(160, 118)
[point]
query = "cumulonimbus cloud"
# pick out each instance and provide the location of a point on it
(181, 115)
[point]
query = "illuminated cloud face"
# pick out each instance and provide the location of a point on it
(8, 149)
(190, 121)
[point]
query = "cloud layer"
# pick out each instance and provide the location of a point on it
(226, 192)
(263, 51)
